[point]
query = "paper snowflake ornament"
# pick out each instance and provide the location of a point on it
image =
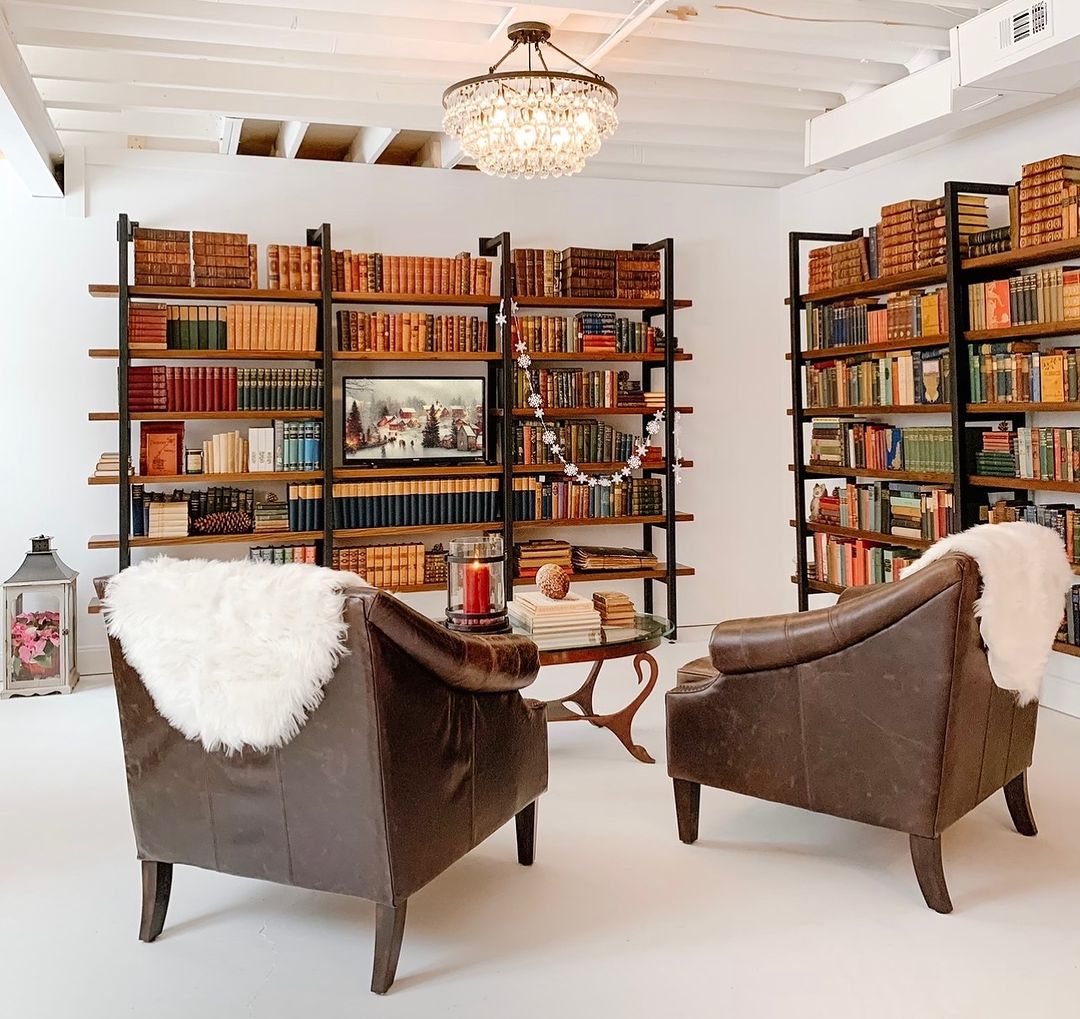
(652, 427)
(534, 400)
(571, 470)
(524, 361)
(500, 319)
(633, 463)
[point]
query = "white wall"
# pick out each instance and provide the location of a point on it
(729, 259)
(843, 201)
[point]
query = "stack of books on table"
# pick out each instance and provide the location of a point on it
(615, 608)
(554, 620)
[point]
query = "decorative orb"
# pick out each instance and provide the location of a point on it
(553, 581)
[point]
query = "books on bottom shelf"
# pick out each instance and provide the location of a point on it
(539, 615)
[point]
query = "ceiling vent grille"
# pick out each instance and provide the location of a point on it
(1025, 25)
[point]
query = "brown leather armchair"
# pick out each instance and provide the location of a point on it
(421, 748)
(880, 708)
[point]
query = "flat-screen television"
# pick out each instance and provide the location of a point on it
(394, 420)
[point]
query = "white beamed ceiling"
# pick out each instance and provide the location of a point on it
(720, 96)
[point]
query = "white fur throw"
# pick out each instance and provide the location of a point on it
(233, 653)
(1026, 576)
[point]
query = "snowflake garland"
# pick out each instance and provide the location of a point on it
(551, 439)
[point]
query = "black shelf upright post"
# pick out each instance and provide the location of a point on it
(666, 247)
(490, 247)
(123, 235)
(965, 499)
(795, 310)
(330, 424)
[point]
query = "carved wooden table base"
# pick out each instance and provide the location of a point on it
(619, 722)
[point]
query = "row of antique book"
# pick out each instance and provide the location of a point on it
(410, 331)
(371, 272)
(905, 315)
(1048, 295)
(223, 510)
(835, 442)
(896, 508)
(1037, 453)
(280, 446)
(599, 332)
(161, 387)
(184, 258)
(571, 388)
(586, 272)
(1020, 372)
(281, 327)
(854, 562)
(900, 378)
(583, 441)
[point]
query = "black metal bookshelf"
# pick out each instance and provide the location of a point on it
(500, 361)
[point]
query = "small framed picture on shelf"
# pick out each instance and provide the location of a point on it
(403, 420)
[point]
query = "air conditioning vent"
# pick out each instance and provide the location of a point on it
(1024, 25)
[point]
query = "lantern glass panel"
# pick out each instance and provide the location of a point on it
(36, 635)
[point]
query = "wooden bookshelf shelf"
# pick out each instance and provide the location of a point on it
(249, 477)
(1066, 649)
(417, 355)
(653, 357)
(922, 477)
(267, 538)
(156, 354)
(875, 536)
(599, 303)
(910, 408)
(416, 471)
(820, 586)
(426, 300)
(209, 415)
(363, 533)
(833, 353)
(555, 413)
(207, 293)
(1040, 330)
(603, 521)
(1022, 258)
(1023, 484)
(876, 287)
(1020, 408)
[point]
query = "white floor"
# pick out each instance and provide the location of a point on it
(775, 912)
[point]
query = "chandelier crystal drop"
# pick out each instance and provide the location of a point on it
(535, 122)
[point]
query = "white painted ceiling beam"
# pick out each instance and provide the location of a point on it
(290, 136)
(370, 143)
(93, 140)
(198, 127)
(28, 139)
(702, 158)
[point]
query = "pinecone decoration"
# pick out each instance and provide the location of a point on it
(228, 522)
(553, 581)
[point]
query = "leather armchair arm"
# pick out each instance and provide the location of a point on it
(774, 642)
(495, 664)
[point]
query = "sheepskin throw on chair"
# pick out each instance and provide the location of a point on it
(1026, 576)
(234, 654)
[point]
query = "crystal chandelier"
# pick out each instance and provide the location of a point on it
(531, 123)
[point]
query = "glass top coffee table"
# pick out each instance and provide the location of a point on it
(610, 642)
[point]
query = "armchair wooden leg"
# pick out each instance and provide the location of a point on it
(926, 856)
(156, 886)
(525, 821)
(687, 808)
(389, 927)
(1016, 796)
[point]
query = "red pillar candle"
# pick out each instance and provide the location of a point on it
(477, 587)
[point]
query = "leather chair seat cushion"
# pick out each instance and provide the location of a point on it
(697, 671)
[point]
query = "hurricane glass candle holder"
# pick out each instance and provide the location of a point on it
(475, 587)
